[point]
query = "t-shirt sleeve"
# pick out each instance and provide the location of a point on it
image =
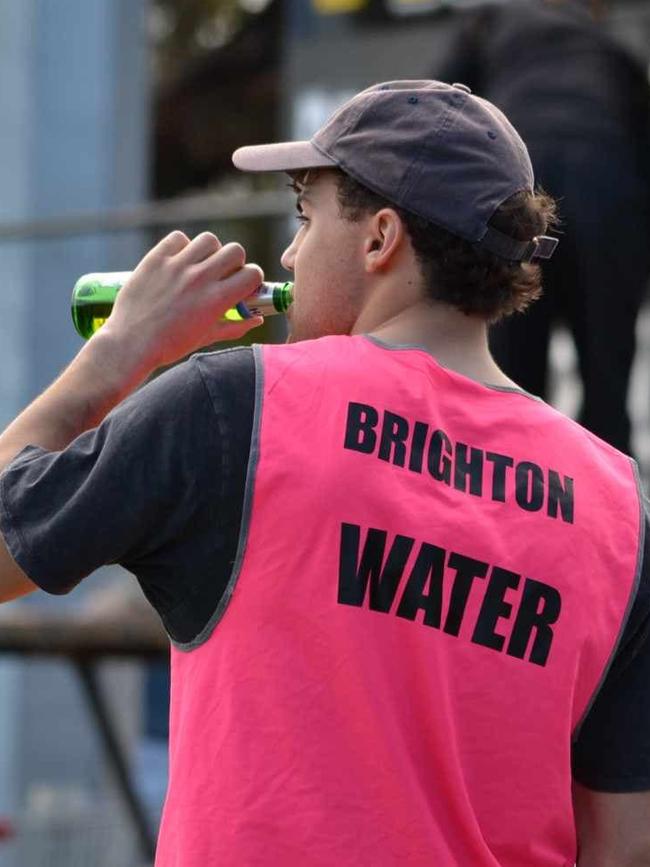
(151, 488)
(612, 750)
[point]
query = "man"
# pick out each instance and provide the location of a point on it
(394, 582)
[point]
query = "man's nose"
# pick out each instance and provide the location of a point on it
(288, 257)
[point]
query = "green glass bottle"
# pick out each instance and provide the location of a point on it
(93, 297)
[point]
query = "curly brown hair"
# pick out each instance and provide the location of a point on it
(455, 270)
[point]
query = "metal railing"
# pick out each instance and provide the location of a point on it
(155, 214)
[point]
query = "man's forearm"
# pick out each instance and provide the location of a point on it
(604, 859)
(613, 828)
(100, 376)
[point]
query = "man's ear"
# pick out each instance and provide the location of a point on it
(384, 239)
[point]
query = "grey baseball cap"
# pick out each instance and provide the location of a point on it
(434, 149)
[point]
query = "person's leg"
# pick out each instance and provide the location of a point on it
(607, 216)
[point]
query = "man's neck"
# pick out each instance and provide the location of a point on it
(457, 341)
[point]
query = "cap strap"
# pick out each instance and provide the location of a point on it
(540, 247)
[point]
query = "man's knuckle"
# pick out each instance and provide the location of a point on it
(236, 252)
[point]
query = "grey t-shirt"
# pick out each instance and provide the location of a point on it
(158, 487)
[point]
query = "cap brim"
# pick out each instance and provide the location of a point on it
(281, 157)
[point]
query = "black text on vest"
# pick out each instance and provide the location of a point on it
(415, 446)
(372, 572)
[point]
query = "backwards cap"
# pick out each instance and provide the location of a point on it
(433, 149)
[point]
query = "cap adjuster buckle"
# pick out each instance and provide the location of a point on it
(541, 247)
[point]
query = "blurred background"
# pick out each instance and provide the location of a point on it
(119, 119)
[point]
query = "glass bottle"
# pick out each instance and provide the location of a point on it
(93, 297)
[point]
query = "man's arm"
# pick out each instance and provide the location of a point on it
(172, 305)
(611, 752)
(613, 828)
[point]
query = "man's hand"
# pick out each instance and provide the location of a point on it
(172, 305)
(175, 301)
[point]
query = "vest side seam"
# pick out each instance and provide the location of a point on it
(251, 470)
(633, 593)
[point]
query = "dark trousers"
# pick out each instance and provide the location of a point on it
(595, 282)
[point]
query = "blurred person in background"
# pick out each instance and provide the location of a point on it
(582, 105)
(408, 602)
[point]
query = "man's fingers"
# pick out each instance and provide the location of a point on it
(171, 244)
(199, 249)
(235, 330)
(230, 258)
(208, 258)
(168, 246)
(203, 265)
(244, 282)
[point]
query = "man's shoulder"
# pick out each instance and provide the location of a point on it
(223, 365)
(333, 352)
(231, 360)
(241, 366)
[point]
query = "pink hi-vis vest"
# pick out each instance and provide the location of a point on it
(431, 581)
